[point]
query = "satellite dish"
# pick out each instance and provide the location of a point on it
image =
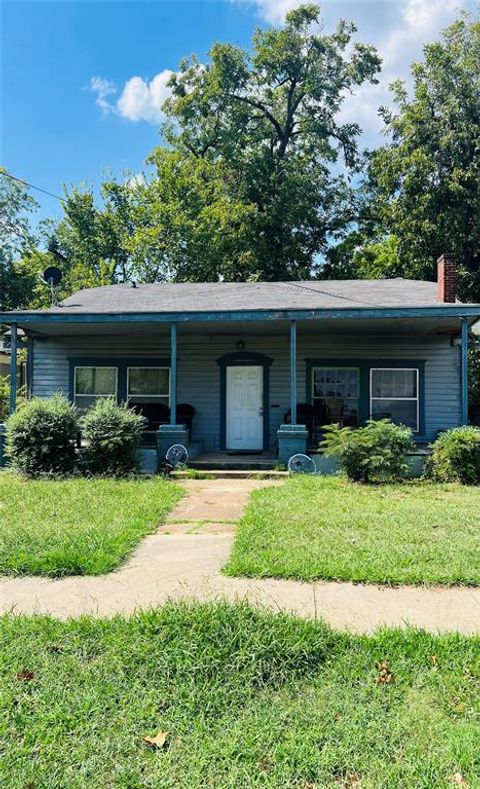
(52, 275)
(301, 464)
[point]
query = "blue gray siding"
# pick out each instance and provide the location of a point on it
(199, 374)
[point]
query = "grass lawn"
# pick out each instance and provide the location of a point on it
(321, 527)
(77, 526)
(249, 700)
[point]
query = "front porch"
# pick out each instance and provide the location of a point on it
(259, 390)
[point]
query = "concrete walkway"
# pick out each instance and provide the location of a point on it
(184, 558)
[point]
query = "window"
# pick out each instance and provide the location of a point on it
(336, 392)
(394, 395)
(93, 382)
(148, 385)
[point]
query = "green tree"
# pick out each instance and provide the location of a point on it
(88, 242)
(252, 184)
(16, 239)
(188, 223)
(425, 183)
(362, 255)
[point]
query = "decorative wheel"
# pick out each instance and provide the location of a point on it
(177, 455)
(301, 464)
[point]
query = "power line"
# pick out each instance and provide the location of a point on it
(32, 186)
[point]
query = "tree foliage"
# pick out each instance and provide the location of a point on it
(255, 144)
(423, 187)
(189, 224)
(90, 242)
(16, 239)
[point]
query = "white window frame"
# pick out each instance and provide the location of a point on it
(148, 367)
(94, 367)
(416, 399)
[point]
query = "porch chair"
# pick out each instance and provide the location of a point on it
(185, 414)
(334, 407)
(156, 414)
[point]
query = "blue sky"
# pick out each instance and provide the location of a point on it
(81, 82)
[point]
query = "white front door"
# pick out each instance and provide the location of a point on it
(244, 407)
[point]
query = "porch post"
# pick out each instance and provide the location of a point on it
(173, 374)
(293, 372)
(464, 372)
(170, 434)
(13, 367)
(292, 438)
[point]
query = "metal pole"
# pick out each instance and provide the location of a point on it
(293, 372)
(173, 374)
(464, 371)
(13, 367)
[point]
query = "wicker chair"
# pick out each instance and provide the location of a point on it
(335, 410)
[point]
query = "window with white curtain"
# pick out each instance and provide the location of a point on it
(394, 395)
(148, 385)
(90, 383)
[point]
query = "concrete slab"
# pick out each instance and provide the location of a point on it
(200, 527)
(214, 500)
(188, 565)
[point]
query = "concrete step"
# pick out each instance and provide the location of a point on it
(223, 473)
(234, 465)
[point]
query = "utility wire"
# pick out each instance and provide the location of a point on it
(32, 186)
(332, 293)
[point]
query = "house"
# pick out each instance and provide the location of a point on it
(261, 364)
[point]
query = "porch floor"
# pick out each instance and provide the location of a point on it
(258, 461)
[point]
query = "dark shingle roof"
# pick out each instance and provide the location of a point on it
(238, 296)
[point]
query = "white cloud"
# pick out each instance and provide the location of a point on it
(139, 100)
(273, 11)
(103, 88)
(419, 22)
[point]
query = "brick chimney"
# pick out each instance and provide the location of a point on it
(447, 278)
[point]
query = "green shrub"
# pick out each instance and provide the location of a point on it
(112, 436)
(41, 436)
(374, 453)
(5, 397)
(456, 457)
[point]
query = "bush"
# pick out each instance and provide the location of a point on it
(5, 397)
(112, 435)
(374, 453)
(41, 436)
(456, 457)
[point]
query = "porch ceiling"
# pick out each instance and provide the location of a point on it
(389, 326)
